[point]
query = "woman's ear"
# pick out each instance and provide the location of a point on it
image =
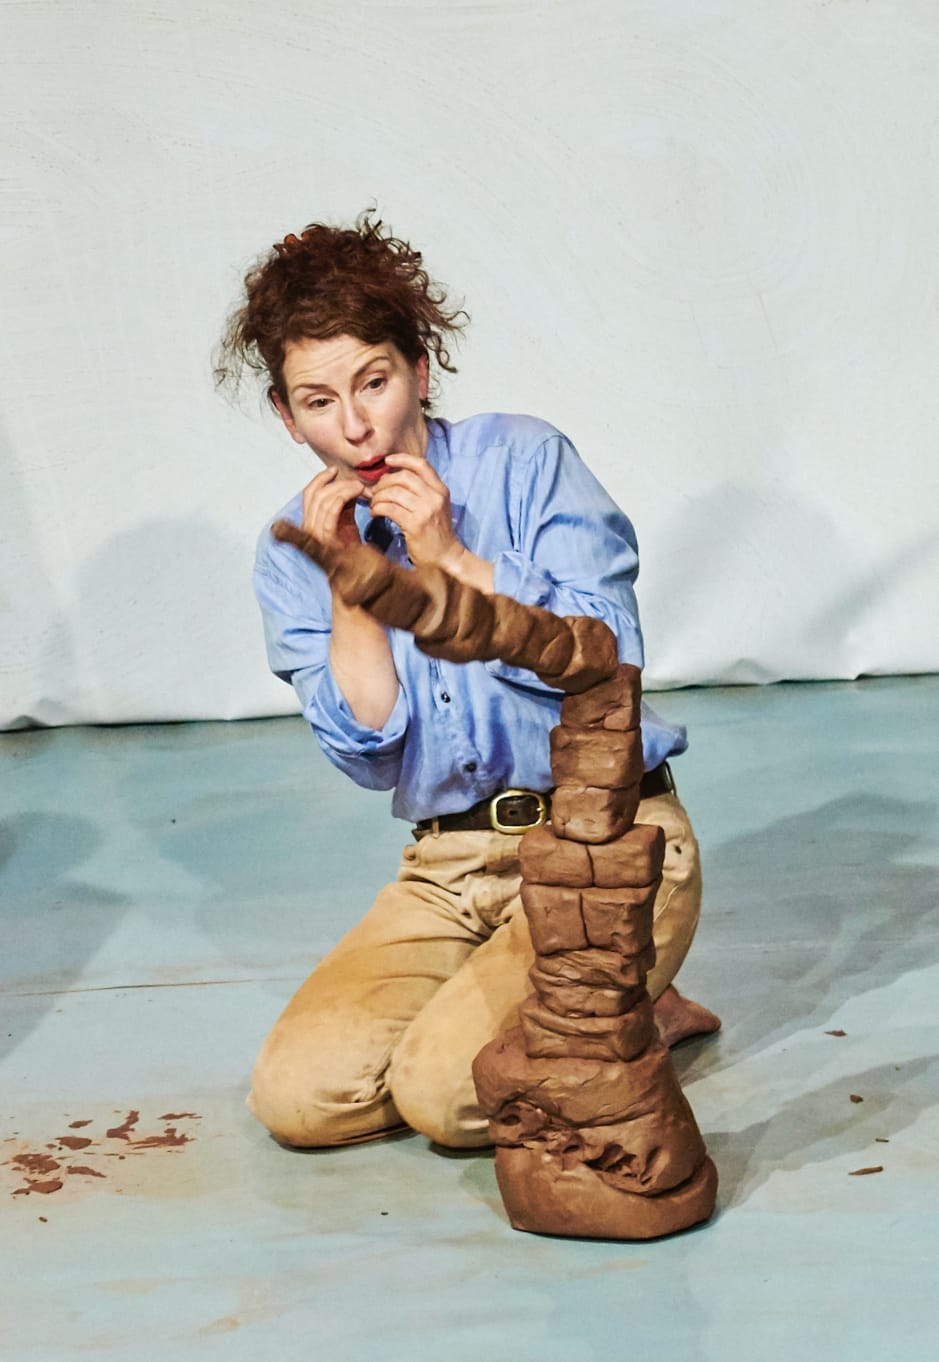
(422, 369)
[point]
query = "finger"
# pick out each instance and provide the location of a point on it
(337, 505)
(349, 488)
(417, 465)
(322, 479)
(328, 520)
(329, 486)
(315, 486)
(395, 503)
(325, 503)
(406, 480)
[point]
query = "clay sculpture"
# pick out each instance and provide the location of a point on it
(593, 1135)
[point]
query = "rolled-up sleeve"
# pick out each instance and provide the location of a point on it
(297, 639)
(564, 517)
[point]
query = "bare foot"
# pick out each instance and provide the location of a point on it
(678, 1018)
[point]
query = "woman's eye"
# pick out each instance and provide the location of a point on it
(377, 382)
(318, 403)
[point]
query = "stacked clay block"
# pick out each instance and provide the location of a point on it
(593, 1135)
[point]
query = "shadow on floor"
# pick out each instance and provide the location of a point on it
(821, 1126)
(808, 912)
(52, 922)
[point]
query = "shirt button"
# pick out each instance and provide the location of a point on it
(470, 766)
(445, 697)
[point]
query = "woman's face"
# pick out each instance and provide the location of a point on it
(354, 404)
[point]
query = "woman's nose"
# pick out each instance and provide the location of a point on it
(355, 423)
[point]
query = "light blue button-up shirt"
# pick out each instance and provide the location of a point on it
(522, 499)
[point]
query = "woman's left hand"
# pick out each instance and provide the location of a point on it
(415, 498)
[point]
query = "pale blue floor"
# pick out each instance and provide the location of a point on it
(165, 888)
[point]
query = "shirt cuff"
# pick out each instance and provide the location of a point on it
(338, 729)
(517, 576)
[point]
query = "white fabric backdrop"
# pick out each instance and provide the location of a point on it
(699, 236)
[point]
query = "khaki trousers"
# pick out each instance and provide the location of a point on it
(384, 1031)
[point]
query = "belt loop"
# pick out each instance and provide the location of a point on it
(435, 826)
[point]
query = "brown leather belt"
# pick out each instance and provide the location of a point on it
(515, 811)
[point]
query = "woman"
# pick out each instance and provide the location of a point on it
(345, 324)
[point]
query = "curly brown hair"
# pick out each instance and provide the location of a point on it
(356, 281)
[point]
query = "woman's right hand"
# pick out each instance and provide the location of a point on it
(359, 651)
(329, 508)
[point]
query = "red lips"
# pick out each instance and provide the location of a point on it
(372, 470)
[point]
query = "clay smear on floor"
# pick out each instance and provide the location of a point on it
(42, 1173)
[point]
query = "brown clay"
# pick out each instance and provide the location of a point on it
(593, 1134)
(170, 1139)
(443, 614)
(636, 858)
(554, 918)
(123, 1131)
(593, 660)
(512, 627)
(604, 968)
(575, 1092)
(43, 1188)
(544, 1199)
(595, 757)
(613, 704)
(618, 919)
(550, 1034)
(546, 859)
(587, 813)
(575, 999)
(35, 1163)
(437, 621)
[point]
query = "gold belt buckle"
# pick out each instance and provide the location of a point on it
(517, 828)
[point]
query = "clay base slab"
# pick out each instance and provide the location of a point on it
(543, 1199)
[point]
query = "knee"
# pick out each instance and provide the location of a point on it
(682, 860)
(678, 901)
(294, 1115)
(434, 1100)
(304, 1125)
(443, 1118)
(304, 1105)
